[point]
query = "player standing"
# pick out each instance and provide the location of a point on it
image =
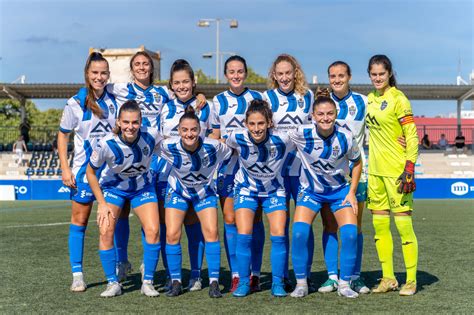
(326, 150)
(228, 114)
(391, 172)
(292, 104)
(91, 115)
(127, 153)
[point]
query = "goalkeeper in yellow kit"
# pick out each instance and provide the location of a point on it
(391, 173)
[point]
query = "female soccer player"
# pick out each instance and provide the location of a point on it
(194, 160)
(228, 114)
(91, 115)
(326, 150)
(127, 153)
(259, 183)
(351, 108)
(292, 104)
(391, 172)
(183, 84)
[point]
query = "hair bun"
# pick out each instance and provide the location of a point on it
(189, 110)
(323, 93)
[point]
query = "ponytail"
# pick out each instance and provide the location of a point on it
(90, 98)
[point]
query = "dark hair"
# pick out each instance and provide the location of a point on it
(180, 65)
(259, 106)
(385, 61)
(90, 98)
(323, 96)
(128, 106)
(150, 60)
(235, 58)
(340, 63)
(190, 113)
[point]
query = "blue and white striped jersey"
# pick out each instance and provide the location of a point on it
(261, 165)
(192, 173)
(325, 160)
(128, 164)
(289, 111)
(88, 128)
(351, 111)
(227, 114)
(150, 100)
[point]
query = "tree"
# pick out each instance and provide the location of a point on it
(202, 78)
(253, 77)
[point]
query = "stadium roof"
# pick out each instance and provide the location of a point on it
(412, 91)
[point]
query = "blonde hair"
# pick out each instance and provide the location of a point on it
(301, 86)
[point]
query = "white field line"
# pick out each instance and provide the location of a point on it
(40, 225)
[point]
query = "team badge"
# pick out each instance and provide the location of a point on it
(157, 97)
(301, 103)
(145, 150)
(168, 197)
(205, 160)
(352, 110)
(383, 105)
(300, 195)
(273, 152)
(112, 109)
(335, 151)
(274, 200)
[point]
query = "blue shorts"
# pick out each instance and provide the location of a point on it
(160, 188)
(82, 193)
(176, 201)
(269, 204)
(137, 198)
(361, 193)
(315, 201)
(225, 186)
(292, 185)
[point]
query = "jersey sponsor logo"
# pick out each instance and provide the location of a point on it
(149, 107)
(290, 120)
(383, 105)
(134, 170)
(322, 166)
(194, 178)
(260, 169)
(235, 123)
(64, 189)
(371, 120)
(459, 188)
(101, 128)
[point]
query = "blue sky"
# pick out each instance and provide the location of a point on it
(48, 41)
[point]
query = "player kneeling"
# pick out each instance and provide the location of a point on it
(127, 155)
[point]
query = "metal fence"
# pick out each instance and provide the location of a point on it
(434, 132)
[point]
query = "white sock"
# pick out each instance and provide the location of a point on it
(211, 280)
(333, 277)
(301, 282)
(235, 275)
(355, 277)
(176, 280)
(77, 274)
(256, 274)
(343, 282)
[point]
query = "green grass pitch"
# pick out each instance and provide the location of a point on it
(35, 274)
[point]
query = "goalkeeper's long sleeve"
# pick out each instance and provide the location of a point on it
(411, 138)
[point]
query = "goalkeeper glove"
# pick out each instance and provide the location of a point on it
(406, 181)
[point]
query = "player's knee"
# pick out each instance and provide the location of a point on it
(152, 234)
(172, 237)
(210, 234)
(277, 230)
(106, 237)
(229, 218)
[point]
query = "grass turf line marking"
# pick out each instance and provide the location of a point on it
(35, 225)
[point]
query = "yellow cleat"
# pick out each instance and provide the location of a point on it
(408, 288)
(386, 285)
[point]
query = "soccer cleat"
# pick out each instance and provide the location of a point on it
(176, 289)
(235, 283)
(386, 285)
(214, 290)
(167, 286)
(300, 291)
(278, 289)
(113, 289)
(123, 269)
(78, 283)
(328, 286)
(243, 289)
(408, 288)
(255, 284)
(359, 286)
(344, 289)
(311, 286)
(148, 289)
(287, 285)
(195, 284)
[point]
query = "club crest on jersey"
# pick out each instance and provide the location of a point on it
(335, 151)
(273, 152)
(145, 151)
(383, 105)
(205, 160)
(274, 200)
(352, 110)
(301, 103)
(112, 109)
(300, 195)
(168, 197)
(157, 97)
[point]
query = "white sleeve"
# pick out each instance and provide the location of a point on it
(214, 119)
(98, 156)
(69, 119)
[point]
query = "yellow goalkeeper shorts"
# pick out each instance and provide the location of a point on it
(383, 195)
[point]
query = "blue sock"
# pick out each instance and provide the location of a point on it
(213, 258)
(258, 241)
(277, 257)
(76, 246)
(310, 251)
(151, 253)
(330, 250)
(121, 235)
(195, 248)
(230, 243)
(360, 249)
(174, 256)
(299, 254)
(163, 248)
(243, 256)
(348, 250)
(287, 247)
(108, 260)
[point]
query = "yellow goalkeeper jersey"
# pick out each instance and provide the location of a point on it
(390, 116)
